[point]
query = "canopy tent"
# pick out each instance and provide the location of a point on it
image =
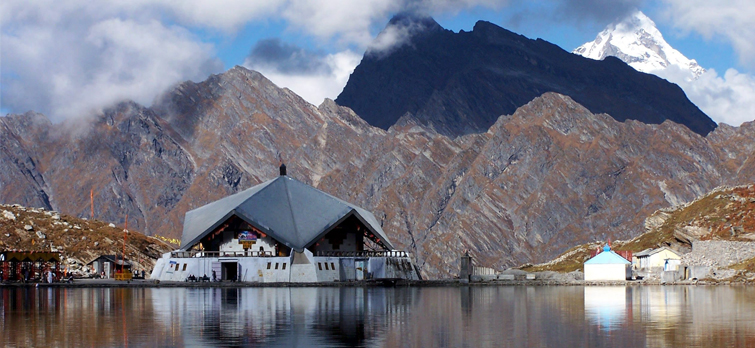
(288, 210)
(30, 256)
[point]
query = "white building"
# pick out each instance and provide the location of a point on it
(283, 231)
(608, 265)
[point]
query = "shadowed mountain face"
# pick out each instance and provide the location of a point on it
(460, 83)
(548, 177)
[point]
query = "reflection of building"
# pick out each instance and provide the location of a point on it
(659, 304)
(608, 265)
(278, 316)
(283, 231)
(606, 306)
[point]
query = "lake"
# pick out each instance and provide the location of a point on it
(477, 316)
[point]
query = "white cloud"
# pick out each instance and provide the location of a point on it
(70, 59)
(325, 81)
(227, 15)
(351, 22)
(729, 98)
(395, 35)
(730, 19)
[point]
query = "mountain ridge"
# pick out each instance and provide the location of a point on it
(549, 176)
(460, 83)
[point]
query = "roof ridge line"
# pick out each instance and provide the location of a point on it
(291, 207)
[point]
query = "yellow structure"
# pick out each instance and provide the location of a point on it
(123, 276)
(658, 259)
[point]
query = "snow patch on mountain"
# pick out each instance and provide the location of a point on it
(638, 42)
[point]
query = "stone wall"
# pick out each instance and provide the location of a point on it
(718, 253)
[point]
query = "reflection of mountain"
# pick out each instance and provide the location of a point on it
(539, 316)
(88, 317)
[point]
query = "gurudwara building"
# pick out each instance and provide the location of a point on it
(283, 231)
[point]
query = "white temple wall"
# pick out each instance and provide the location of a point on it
(231, 243)
(281, 269)
(327, 269)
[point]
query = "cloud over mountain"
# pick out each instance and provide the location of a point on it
(728, 20)
(312, 75)
(70, 58)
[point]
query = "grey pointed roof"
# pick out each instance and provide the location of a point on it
(290, 211)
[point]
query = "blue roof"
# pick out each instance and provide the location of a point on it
(608, 257)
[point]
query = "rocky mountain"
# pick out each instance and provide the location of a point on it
(78, 240)
(460, 83)
(636, 41)
(549, 176)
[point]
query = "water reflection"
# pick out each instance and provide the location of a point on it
(375, 317)
(606, 306)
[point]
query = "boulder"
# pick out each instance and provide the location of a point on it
(8, 215)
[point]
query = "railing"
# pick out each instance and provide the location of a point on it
(194, 253)
(483, 271)
(364, 253)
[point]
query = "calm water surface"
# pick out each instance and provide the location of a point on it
(562, 316)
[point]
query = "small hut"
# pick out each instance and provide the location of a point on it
(608, 265)
(108, 265)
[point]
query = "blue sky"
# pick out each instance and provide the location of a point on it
(232, 50)
(71, 58)
(710, 53)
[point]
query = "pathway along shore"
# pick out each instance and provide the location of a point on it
(109, 283)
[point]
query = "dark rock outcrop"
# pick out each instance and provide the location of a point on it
(460, 83)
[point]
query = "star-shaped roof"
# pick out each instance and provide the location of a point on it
(290, 211)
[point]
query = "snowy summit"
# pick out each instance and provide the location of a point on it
(637, 41)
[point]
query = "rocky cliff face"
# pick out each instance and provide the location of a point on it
(460, 83)
(550, 176)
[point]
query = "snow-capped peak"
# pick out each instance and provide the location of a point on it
(637, 41)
